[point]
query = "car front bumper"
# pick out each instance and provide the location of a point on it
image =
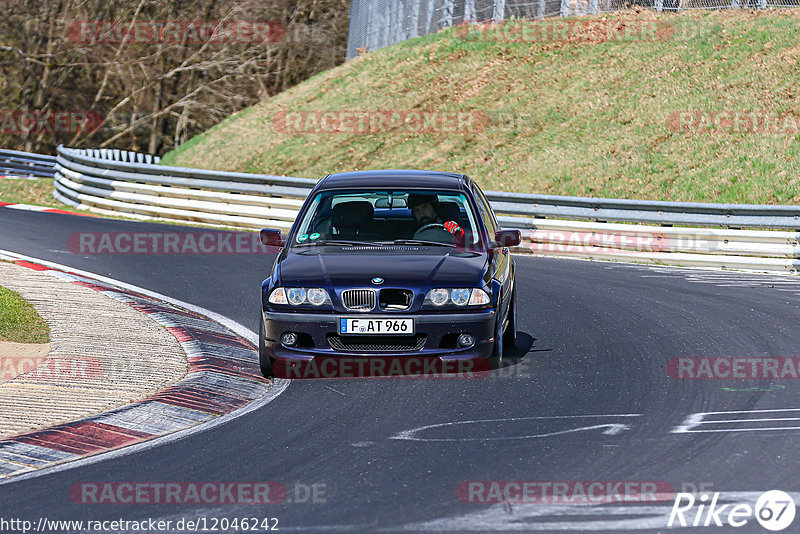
(438, 329)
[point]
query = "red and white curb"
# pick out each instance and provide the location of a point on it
(31, 207)
(223, 380)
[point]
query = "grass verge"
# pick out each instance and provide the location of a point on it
(19, 321)
(38, 191)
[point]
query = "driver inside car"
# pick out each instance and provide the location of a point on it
(425, 209)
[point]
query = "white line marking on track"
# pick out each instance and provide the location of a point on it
(611, 429)
(692, 421)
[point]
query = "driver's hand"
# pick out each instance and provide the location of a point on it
(454, 228)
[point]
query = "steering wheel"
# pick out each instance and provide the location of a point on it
(433, 232)
(430, 227)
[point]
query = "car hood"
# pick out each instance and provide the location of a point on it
(412, 267)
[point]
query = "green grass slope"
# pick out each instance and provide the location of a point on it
(581, 115)
(19, 321)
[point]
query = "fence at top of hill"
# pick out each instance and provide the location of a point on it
(375, 24)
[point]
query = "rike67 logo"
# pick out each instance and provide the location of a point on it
(774, 510)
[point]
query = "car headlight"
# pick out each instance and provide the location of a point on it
(317, 296)
(296, 295)
(278, 296)
(438, 296)
(299, 295)
(460, 296)
(478, 297)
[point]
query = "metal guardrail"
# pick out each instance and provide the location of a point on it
(138, 187)
(752, 250)
(15, 163)
(648, 211)
(127, 183)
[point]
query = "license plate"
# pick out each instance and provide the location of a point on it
(375, 326)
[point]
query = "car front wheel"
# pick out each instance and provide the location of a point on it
(497, 352)
(510, 334)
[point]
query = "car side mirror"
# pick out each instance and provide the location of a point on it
(271, 237)
(507, 238)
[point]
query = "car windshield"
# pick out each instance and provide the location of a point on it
(393, 217)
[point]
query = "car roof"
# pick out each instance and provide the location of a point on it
(395, 178)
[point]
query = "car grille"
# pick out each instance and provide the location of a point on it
(358, 299)
(376, 343)
(395, 299)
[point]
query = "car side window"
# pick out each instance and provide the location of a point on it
(486, 210)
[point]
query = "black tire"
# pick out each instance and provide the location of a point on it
(510, 334)
(263, 358)
(497, 351)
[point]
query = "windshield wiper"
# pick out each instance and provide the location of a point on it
(416, 242)
(337, 242)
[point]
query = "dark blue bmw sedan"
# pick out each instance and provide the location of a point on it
(391, 265)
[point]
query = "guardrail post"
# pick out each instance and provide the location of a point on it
(659, 5)
(564, 8)
(593, 7)
(540, 9)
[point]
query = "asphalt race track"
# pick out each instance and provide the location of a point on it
(586, 398)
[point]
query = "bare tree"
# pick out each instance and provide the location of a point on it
(156, 72)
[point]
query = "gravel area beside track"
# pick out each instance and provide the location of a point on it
(103, 354)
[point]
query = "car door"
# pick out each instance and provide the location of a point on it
(500, 257)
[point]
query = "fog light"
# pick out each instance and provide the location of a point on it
(289, 339)
(465, 340)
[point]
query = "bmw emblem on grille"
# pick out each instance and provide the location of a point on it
(377, 280)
